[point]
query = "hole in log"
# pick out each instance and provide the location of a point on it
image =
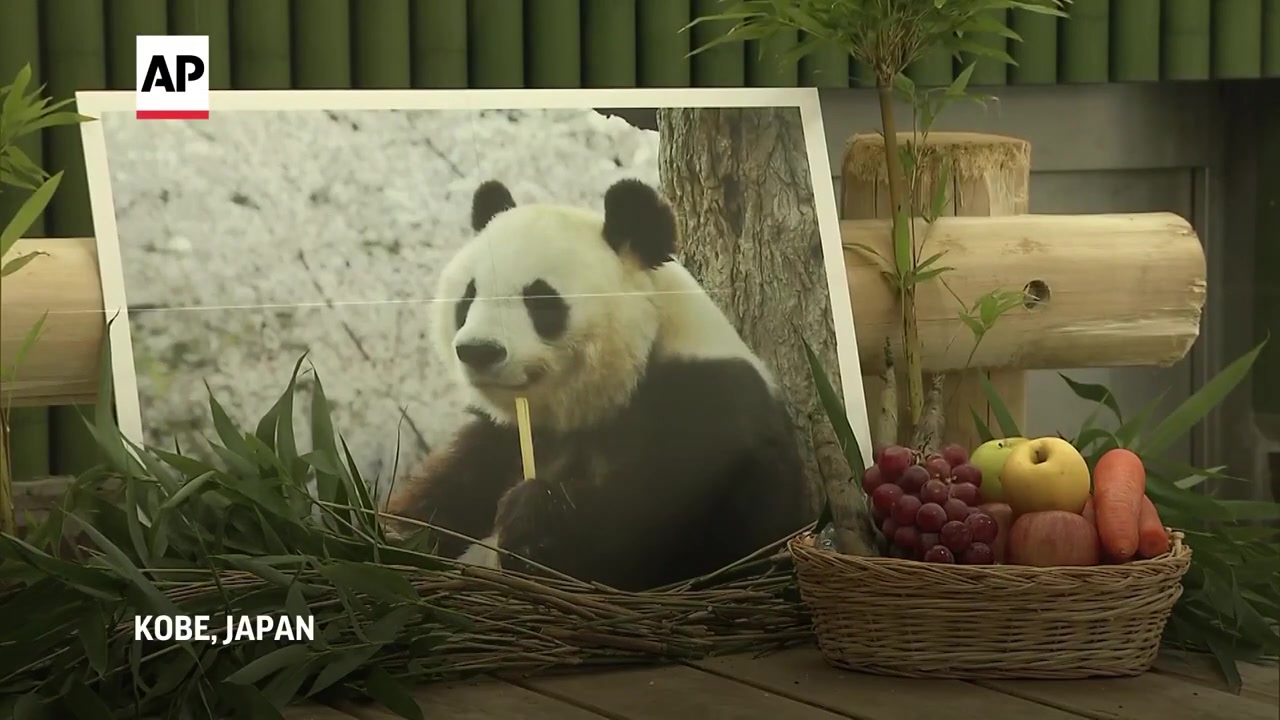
(1035, 294)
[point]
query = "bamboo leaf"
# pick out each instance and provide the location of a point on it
(376, 582)
(973, 324)
(998, 408)
(85, 704)
(121, 563)
(958, 86)
(984, 432)
(12, 266)
(341, 664)
(1096, 394)
(279, 659)
(1129, 431)
(14, 96)
(188, 489)
(940, 187)
(380, 686)
(833, 407)
(28, 213)
(28, 341)
(32, 706)
(249, 702)
(93, 635)
(1195, 408)
(1226, 664)
(919, 277)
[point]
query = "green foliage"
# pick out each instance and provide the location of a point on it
(264, 528)
(23, 113)
(1230, 606)
(886, 36)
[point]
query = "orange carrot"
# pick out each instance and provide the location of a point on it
(1152, 538)
(1119, 485)
(1088, 513)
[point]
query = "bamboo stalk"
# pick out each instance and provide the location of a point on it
(525, 427)
(907, 295)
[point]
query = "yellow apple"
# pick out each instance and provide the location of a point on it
(989, 457)
(1046, 473)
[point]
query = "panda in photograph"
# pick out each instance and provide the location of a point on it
(663, 447)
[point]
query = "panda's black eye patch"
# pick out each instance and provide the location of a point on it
(464, 305)
(547, 309)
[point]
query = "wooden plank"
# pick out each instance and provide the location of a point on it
(1147, 697)
(1237, 39)
(1085, 43)
(661, 45)
(722, 66)
(322, 45)
(1185, 39)
(803, 675)
(1135, 44)
(438, 41)
(554, 54)
(310, 711)
(477, 700)
(1037, 54)
(1260, 681)
(670, 692)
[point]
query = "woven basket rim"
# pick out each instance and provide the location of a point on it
(1179, 554)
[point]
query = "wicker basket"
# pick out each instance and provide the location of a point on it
(913, 619)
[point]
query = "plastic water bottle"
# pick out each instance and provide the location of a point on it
(827, 538)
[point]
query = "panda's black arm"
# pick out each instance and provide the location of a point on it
(702, 469)
(459, 485)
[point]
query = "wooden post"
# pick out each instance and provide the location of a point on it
(989, 176)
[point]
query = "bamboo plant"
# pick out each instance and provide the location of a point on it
(22, 113)
(886, 36)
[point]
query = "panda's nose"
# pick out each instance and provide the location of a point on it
(481, 355)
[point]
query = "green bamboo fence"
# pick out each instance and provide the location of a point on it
(272, 44)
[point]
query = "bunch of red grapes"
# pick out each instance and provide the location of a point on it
(927, 506)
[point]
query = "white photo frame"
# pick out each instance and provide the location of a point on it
(119, 106)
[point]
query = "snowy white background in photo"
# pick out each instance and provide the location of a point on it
(253, 237)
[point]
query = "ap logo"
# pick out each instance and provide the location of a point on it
(173, 77)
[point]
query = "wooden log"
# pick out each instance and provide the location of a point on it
(1121, 290)
(987, 175)
(62, 366)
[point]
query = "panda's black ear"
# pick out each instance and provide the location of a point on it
(639, 221)
(491, 198)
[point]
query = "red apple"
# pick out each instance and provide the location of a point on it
(1053, 538)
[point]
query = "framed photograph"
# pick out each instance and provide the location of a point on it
(639, 269)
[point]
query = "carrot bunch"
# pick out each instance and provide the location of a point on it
(1127, 521)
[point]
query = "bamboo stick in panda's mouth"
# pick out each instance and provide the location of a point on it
(525, 428)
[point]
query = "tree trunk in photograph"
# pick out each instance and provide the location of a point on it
(739, 182)
(989, 177)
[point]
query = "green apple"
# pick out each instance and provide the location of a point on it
(989, 457)
(1044, 474)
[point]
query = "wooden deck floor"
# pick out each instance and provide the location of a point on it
(798, 685)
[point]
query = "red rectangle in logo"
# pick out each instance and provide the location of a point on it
(173, 114)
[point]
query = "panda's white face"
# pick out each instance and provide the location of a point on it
(554, 304)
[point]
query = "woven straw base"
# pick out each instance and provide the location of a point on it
(914, 619)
